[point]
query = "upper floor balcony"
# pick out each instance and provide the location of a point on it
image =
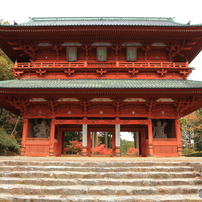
(107, 70)
(85, 64)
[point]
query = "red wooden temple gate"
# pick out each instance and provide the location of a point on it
(101, 74)
(148, 145)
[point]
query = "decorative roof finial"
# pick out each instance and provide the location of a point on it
(189, 22)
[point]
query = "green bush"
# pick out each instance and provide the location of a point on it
(187, 152)
(8, 144)
(195, 154)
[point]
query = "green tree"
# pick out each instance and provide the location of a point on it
(72, 136)
(191, 130)
(10, 124)
(125, 145)
(5, 65)
(8, 144)
(198, 132)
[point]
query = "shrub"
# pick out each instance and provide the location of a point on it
(132, 151)
(8, 144)
(195, 154)
(101, 150)
(187, 152)
(75, 147)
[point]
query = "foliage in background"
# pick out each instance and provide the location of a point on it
(125, 145)
(102, 150)
(4, 22)
(71, 136)
(198, 131)
(191, 131)
(74, 147)
(101, 139)
(195, 154)
(5, 65)
(132, 151)
(8, 144)
(10, 124)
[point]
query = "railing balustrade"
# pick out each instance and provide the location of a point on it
(33, 65)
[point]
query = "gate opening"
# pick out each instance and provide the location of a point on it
(130, 144)
(101, 144)
(72, 143)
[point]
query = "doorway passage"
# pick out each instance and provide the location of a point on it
(100, 142)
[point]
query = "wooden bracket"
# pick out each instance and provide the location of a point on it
(150, 104)
(183, 104)
(86, 47)
(69, 72)
(162, 72)
(116, 47)
(28, 49)
(85, 103)
(101, 72)
(56, 47)
(41, 72)
(146, 48)
(117, 104)
(17, 73)
(53, 104)
(21, 104)
(176, 49)
(185, 73)
(133, 72)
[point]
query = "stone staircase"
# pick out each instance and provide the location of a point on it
(98, 181)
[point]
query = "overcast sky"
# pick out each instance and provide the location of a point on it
(183, 11)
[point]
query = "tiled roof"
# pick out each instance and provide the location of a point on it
(101, 84)
(102, 21)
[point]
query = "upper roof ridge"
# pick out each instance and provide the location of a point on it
(103, 21)
(100, 18)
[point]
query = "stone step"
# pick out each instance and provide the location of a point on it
(99, 198)
(92, 163)
(98, 190)
(98, 169)
(97, 182)
(95, 175)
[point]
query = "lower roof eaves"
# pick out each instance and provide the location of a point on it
(100, 84)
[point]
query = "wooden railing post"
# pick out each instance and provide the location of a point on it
(16, 64)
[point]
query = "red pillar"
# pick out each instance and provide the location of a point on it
(88, 144)
(52, 137)
(178, 137)
(143, 148)
(24, 136)
(60, 143)
(113, 144)
(150, 137)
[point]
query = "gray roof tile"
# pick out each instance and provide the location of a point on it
(102, 21)
(101, 84)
